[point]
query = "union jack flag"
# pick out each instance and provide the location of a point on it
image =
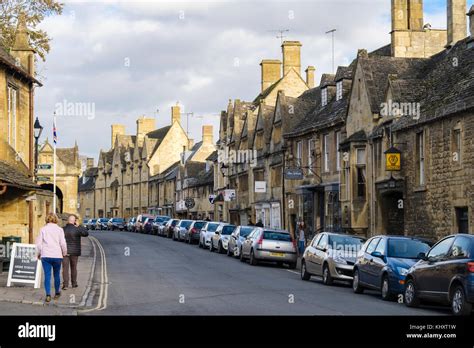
(55, 136)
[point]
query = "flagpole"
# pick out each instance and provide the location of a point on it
(54, 163)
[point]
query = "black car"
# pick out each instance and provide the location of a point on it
(445, 274)
(192, 233)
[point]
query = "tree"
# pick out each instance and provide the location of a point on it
(35, 11)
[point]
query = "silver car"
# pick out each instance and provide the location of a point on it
(220, 239)
(180, 229)
(207, 232)
(264, 244)
(331, 256)
(237, 238)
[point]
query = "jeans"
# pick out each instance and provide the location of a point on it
(301, 246)
(70, 262)
(48, 264)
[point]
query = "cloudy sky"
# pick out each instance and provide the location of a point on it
(123, 59)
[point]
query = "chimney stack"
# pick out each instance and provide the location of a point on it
(310, 76)
(190, 144)
(90, 163)
(207, 135)
(291, 56)
(271, 72)
(457, 21)
(21, 50)
(471, 21)
(175, 113)
(117, 129)
(144, 126)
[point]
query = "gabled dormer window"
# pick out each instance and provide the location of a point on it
(324, 96)
(339, 90)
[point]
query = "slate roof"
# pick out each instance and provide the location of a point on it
(193, 168)
(358, 136)
(89, 184)
(14, 177)
(448, 88)
(68, 156)
(202, 178)
(266, 92)
(213, 156)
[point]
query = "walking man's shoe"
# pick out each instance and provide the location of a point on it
(57, 296)
(75, 286)
(48, 299)
(64, 287)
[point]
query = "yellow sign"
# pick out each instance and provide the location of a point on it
(392, 161)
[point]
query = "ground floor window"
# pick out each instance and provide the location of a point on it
(275, 216)
(462, 219)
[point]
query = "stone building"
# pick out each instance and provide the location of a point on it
(252, 150)
(23, 204)
(86, 190)
(422, 109)
(68, 171)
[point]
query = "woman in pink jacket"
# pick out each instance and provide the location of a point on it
(51, 246)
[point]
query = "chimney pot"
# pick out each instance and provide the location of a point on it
(291, 56)
(175, 113)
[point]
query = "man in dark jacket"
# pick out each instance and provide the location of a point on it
(73, 233)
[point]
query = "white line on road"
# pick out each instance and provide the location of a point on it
(288, 270)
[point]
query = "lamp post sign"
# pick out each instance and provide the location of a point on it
(24, 265)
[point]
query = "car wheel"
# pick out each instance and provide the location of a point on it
(304, 272)
(459, 305)
(358, 289)
(253, 261)
(387, 295)
(327, 278)
(200, 244)
(411, 298)
(242, 258)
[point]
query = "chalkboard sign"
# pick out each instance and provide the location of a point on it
(24, 265)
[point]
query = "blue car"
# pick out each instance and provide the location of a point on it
(384, 261)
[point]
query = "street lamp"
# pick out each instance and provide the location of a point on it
(37, 130)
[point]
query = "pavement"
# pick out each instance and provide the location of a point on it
(152, 275)
(25, 300)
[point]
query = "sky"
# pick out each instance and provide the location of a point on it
(113, 61)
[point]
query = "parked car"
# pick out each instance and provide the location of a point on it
(331, 256)
(265, 244)
(159, 221)
(168, 228)
(147, 226)
(445, 274)
(85, 222)
(101, 224)
(384, 261)
(207, 232)
(192, 233)
(91, 224)
(180, 229)
(131, 224)
(140, 221)
(116, 224)
(236, 239)
(220, 239)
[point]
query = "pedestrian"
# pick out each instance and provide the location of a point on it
(301, 238)
(259, 223)
(208, 218)
(251, 223)
(51, 246)
(73, 232)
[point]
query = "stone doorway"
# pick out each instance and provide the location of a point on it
(393, 214)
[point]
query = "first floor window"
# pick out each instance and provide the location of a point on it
(420, 157)
(360, 171)
(12, 115)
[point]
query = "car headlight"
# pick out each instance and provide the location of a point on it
(402, 271)
(339, 259)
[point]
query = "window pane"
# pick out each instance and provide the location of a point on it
(360, 156)
(441, 249)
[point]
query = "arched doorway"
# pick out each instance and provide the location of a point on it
(59, 195)
(393, 216)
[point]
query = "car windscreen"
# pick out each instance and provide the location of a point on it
(344, 242)
(406, 248)
(275, 235)
(174, 222)
(103, 220)
(117, 220)
(199, 224)
(212, 227)
(226, 230)
(186, 223)
(245, 231)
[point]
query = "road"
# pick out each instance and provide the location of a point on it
(151, 275)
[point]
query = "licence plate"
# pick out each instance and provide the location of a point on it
(277, 254)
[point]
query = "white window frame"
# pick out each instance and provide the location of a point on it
(338, 154)
(421, 153)
(339, 90)
(299, 152)
(12, 96)
(326, 152)
(324, 96)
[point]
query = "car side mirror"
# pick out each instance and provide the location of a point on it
(378, 254)
(422, 256)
